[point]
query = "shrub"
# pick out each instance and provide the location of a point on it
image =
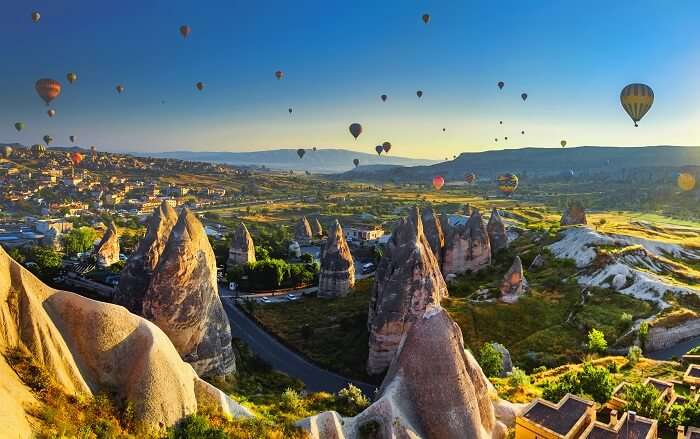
(596, 341)
(291, 401)
(591, 381)
(643, 332)
(539, 369)
(686, 414)
(195, 426)
(518, 378)
(352, 400)
(633, 355)
(644, 400)
(491, 360)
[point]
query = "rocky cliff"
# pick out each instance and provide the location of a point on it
(573, 215)
(496, 229)
(241, 249)
(337, 275)
(661, 337)
(407, 281)
(137, 274)
(302, 231)
(467, 247)
(183, 300)
(433, 233)
(107, 251)
(88, 347)
(514, 283)
(316, 228)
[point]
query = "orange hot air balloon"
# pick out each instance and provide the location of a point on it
(279, 74)
(200, 86)
(426, 18)
(48, 89)
(438, 182)
(185, 31)
(386, 146)
(76, 158)
(51, 112)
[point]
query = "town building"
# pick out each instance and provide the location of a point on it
(567, 419)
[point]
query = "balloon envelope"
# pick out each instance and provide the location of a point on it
(48, 139)
(524, 96)
(501, 84)
(185, 30)
(426, 18)
(563, 143)
(36, 16)
(384, 97)
(470, 178)
(507, 183)
(686, 181)
(386, 146)
(355, 130)
(119, 88)
(419, 93)
(356, 162)
(19, 126)
(76, 158)
(72, 138)
(51, 112)
(6, 151)
(200, 86)
(379, 149)
(48, 89)
(438, 182)
(637, 100)
(301, 152)
(71, 77)
(279, 74)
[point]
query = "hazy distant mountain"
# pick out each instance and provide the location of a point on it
(540, 162)
(320, 161)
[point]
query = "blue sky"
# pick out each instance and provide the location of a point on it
(572, 58)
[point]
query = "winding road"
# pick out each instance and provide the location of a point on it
(283, 359)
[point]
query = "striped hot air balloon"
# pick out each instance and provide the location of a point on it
(637, 100)
(48, 89)
(507, 183)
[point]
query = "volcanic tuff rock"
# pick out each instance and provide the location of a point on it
(242, 249)
(514, 283)
(316, 228)
(89, 347)
(302, 231)
(434, 389)
(506, 362)
(497, 232)
(337, 275)
(467, 247)
(137, 274)
(407, 281)
(538, 262)
(433, 233)
(107, 251)
(573, 215)
(183, 300)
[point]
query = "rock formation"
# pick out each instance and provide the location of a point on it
(407, 281)
(337, 276)
(107, 251)
(88, 347)
(434, 389)
(242, 249)
(538, 262)
(137, 274)
(573, 215)
(302, 231)
(467, 247)
(183, 300)
(433, 233)
(497, 232)
(514, 283)
(506, 362)
(316, 228)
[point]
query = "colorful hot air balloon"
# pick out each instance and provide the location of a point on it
(355, 130)
(686, 181)
(563, 143)
(379, 149)
(384, 98)
(6, 151)
(71, 77)
(524, 96)
(426, 18)
(470, 178)
(501, 84)
(19, 126)
(356, 162)
(76, 158)
(51, 112)
(637, 100)
(48, 139)
(185, 31)
(507, 183)
(301, 152)
(438, 182)
(48, 89)
(119, 88)
(279, 74)
(72, 139)
(36, 17)
(419, 93)
(386, 146)
(200, 86)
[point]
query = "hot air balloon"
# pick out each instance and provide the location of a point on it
(200, 86)
(496, 139)
(501, 84)
(470, 178)
(500, 122)
(563, 143)
(36, 17)
(524, 96)
(505, 138)
(301, 152)
(6, 151)
(72, 139)
(48, 89)
(38, 149)
(355, 130)
(637, 100)
(426, 18)
(419, 93)
(386, 146)
(384, 98)
(443, 130)
(279, 74)
(356, 162)
(76, 158)
(51, 112)
(119, 88)
(290, 110)
(185, 31)
(71, 77)
(507, 183)
(379, 149)
(522, 132)
(686, 181)
(19, 126)
(48, 139)
(314, 148)
(438, 182)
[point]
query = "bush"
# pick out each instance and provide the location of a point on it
(633, 355)
(352, 400)
(686, 414)
(291, 401)
(491, 360)
(590, 382)
(643, 332)
(596, 341)
(195, 427)
(518, 378)
(644, 400)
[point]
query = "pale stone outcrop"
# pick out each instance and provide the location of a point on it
(183, 300)
(107, 251)
(573, 215)
(316, 228)
(538, 262)
(337, 276)
(433, 232)
(506, 362)
(241, 250)
(407, 281)
(88, 347)
(514, 283)
(137, 274)
(496, 229)
(302, 231)
(467, 247)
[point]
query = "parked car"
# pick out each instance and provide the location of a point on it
(291, 297)
(264, 300)
(369, 268)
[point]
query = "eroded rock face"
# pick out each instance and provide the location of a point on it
(496, 229)
(514, 283)
(89, 347)
(507, 362)
(433, 233)
(107, 251)
(241, 251)
(337, 276)
(137, 274)
(407, 281)
(538, 262)
(302, 231)
(316, 228)
(573, 215)
(467, 247)
(183, 300)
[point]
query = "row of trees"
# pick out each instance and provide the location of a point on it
(271, 274)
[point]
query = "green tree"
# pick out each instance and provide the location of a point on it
(596, 341)
(643, 333)
(261, 253)
(633, 355)
(79, 240)
(597, 382)
(644, 400)
(490, 360)
(48, 260)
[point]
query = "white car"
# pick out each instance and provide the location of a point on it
(291, 297)
(264, 300)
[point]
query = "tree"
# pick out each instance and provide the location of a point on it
(643, 332)
(518, 378)
(79, 240)
(644, 400)
(261, 253)
(596, 341)
(490, 360)
(593, 382)
(633, 355)
(48, 260)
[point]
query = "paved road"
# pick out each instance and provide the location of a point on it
(283, 359)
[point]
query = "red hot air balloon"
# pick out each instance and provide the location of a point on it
(379, 149)
(438, 182)
(48, 89)
(386, 146)
(185, 31)
(355, 130)
(279, 74)
(76, 158)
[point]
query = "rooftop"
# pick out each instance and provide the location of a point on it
(559, 418)
(637, 429)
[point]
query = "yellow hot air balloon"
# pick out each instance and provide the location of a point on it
(637, 100)
(507, 183)
(686, 181)
(72, 77)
